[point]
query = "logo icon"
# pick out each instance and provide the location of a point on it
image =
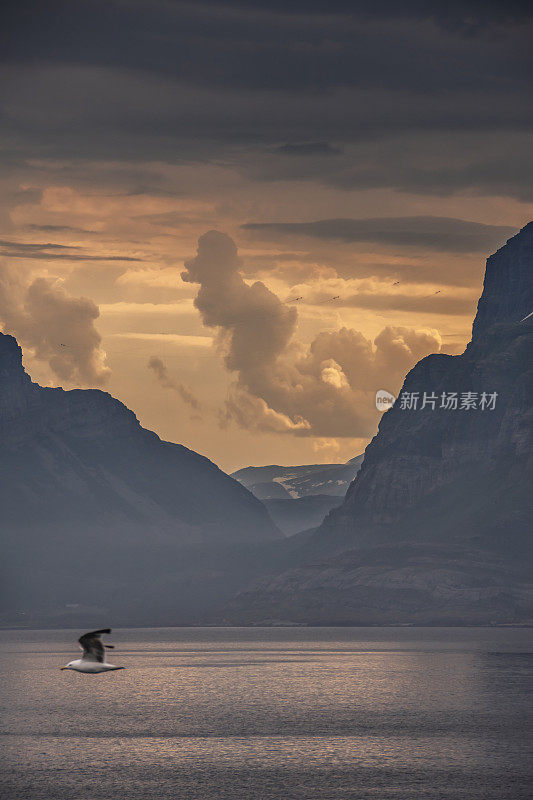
(384, 400)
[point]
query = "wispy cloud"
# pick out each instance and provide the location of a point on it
(160, 370)
(53, 252)
(445, 234)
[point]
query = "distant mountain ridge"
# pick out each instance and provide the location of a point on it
(298, 498)
(436, 527)
(276, 483)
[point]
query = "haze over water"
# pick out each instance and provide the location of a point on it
(270, 713)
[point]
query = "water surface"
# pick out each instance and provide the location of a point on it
(272, 714)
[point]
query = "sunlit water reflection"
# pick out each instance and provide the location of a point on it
(232, 714)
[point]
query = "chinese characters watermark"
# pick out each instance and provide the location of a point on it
(449, 401)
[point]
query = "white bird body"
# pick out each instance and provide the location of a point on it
(82, 665)
(93, 659)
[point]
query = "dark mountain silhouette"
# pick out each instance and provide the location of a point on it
(94, 508)
(436, 527)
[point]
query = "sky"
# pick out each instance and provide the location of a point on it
(243, 219)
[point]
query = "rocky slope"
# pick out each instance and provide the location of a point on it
(436, 527)
(302, 513)
(92, 504)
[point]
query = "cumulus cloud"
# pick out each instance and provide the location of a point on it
(326, 390)
(255, 325)
(332, 373)
(59, 328)
(254, 413)
(160, 370)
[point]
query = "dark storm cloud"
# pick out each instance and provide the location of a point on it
(473, 11)
(261, 46)
(438, 233)
(308, 149)
(247, 82)
(420, 160)
(389, 139)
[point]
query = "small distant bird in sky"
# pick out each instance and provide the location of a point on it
(61, 344)
(294, 299)
(396, 283)
(93, 659)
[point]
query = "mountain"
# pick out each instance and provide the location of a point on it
(298, 498)
(276, 483)
(436, 527)
(95, 507)
(302, 513)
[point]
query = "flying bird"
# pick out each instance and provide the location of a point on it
(396, 283)
(93, 659)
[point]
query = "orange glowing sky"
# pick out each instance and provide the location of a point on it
(111, 178)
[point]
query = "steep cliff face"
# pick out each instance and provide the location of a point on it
(437, 524)
(508, 287)
(419, 451)
(88, 498)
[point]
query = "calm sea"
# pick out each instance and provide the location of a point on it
(270, 714)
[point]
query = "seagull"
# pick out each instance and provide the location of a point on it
(93, 658)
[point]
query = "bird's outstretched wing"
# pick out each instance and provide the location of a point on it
(92, 646)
